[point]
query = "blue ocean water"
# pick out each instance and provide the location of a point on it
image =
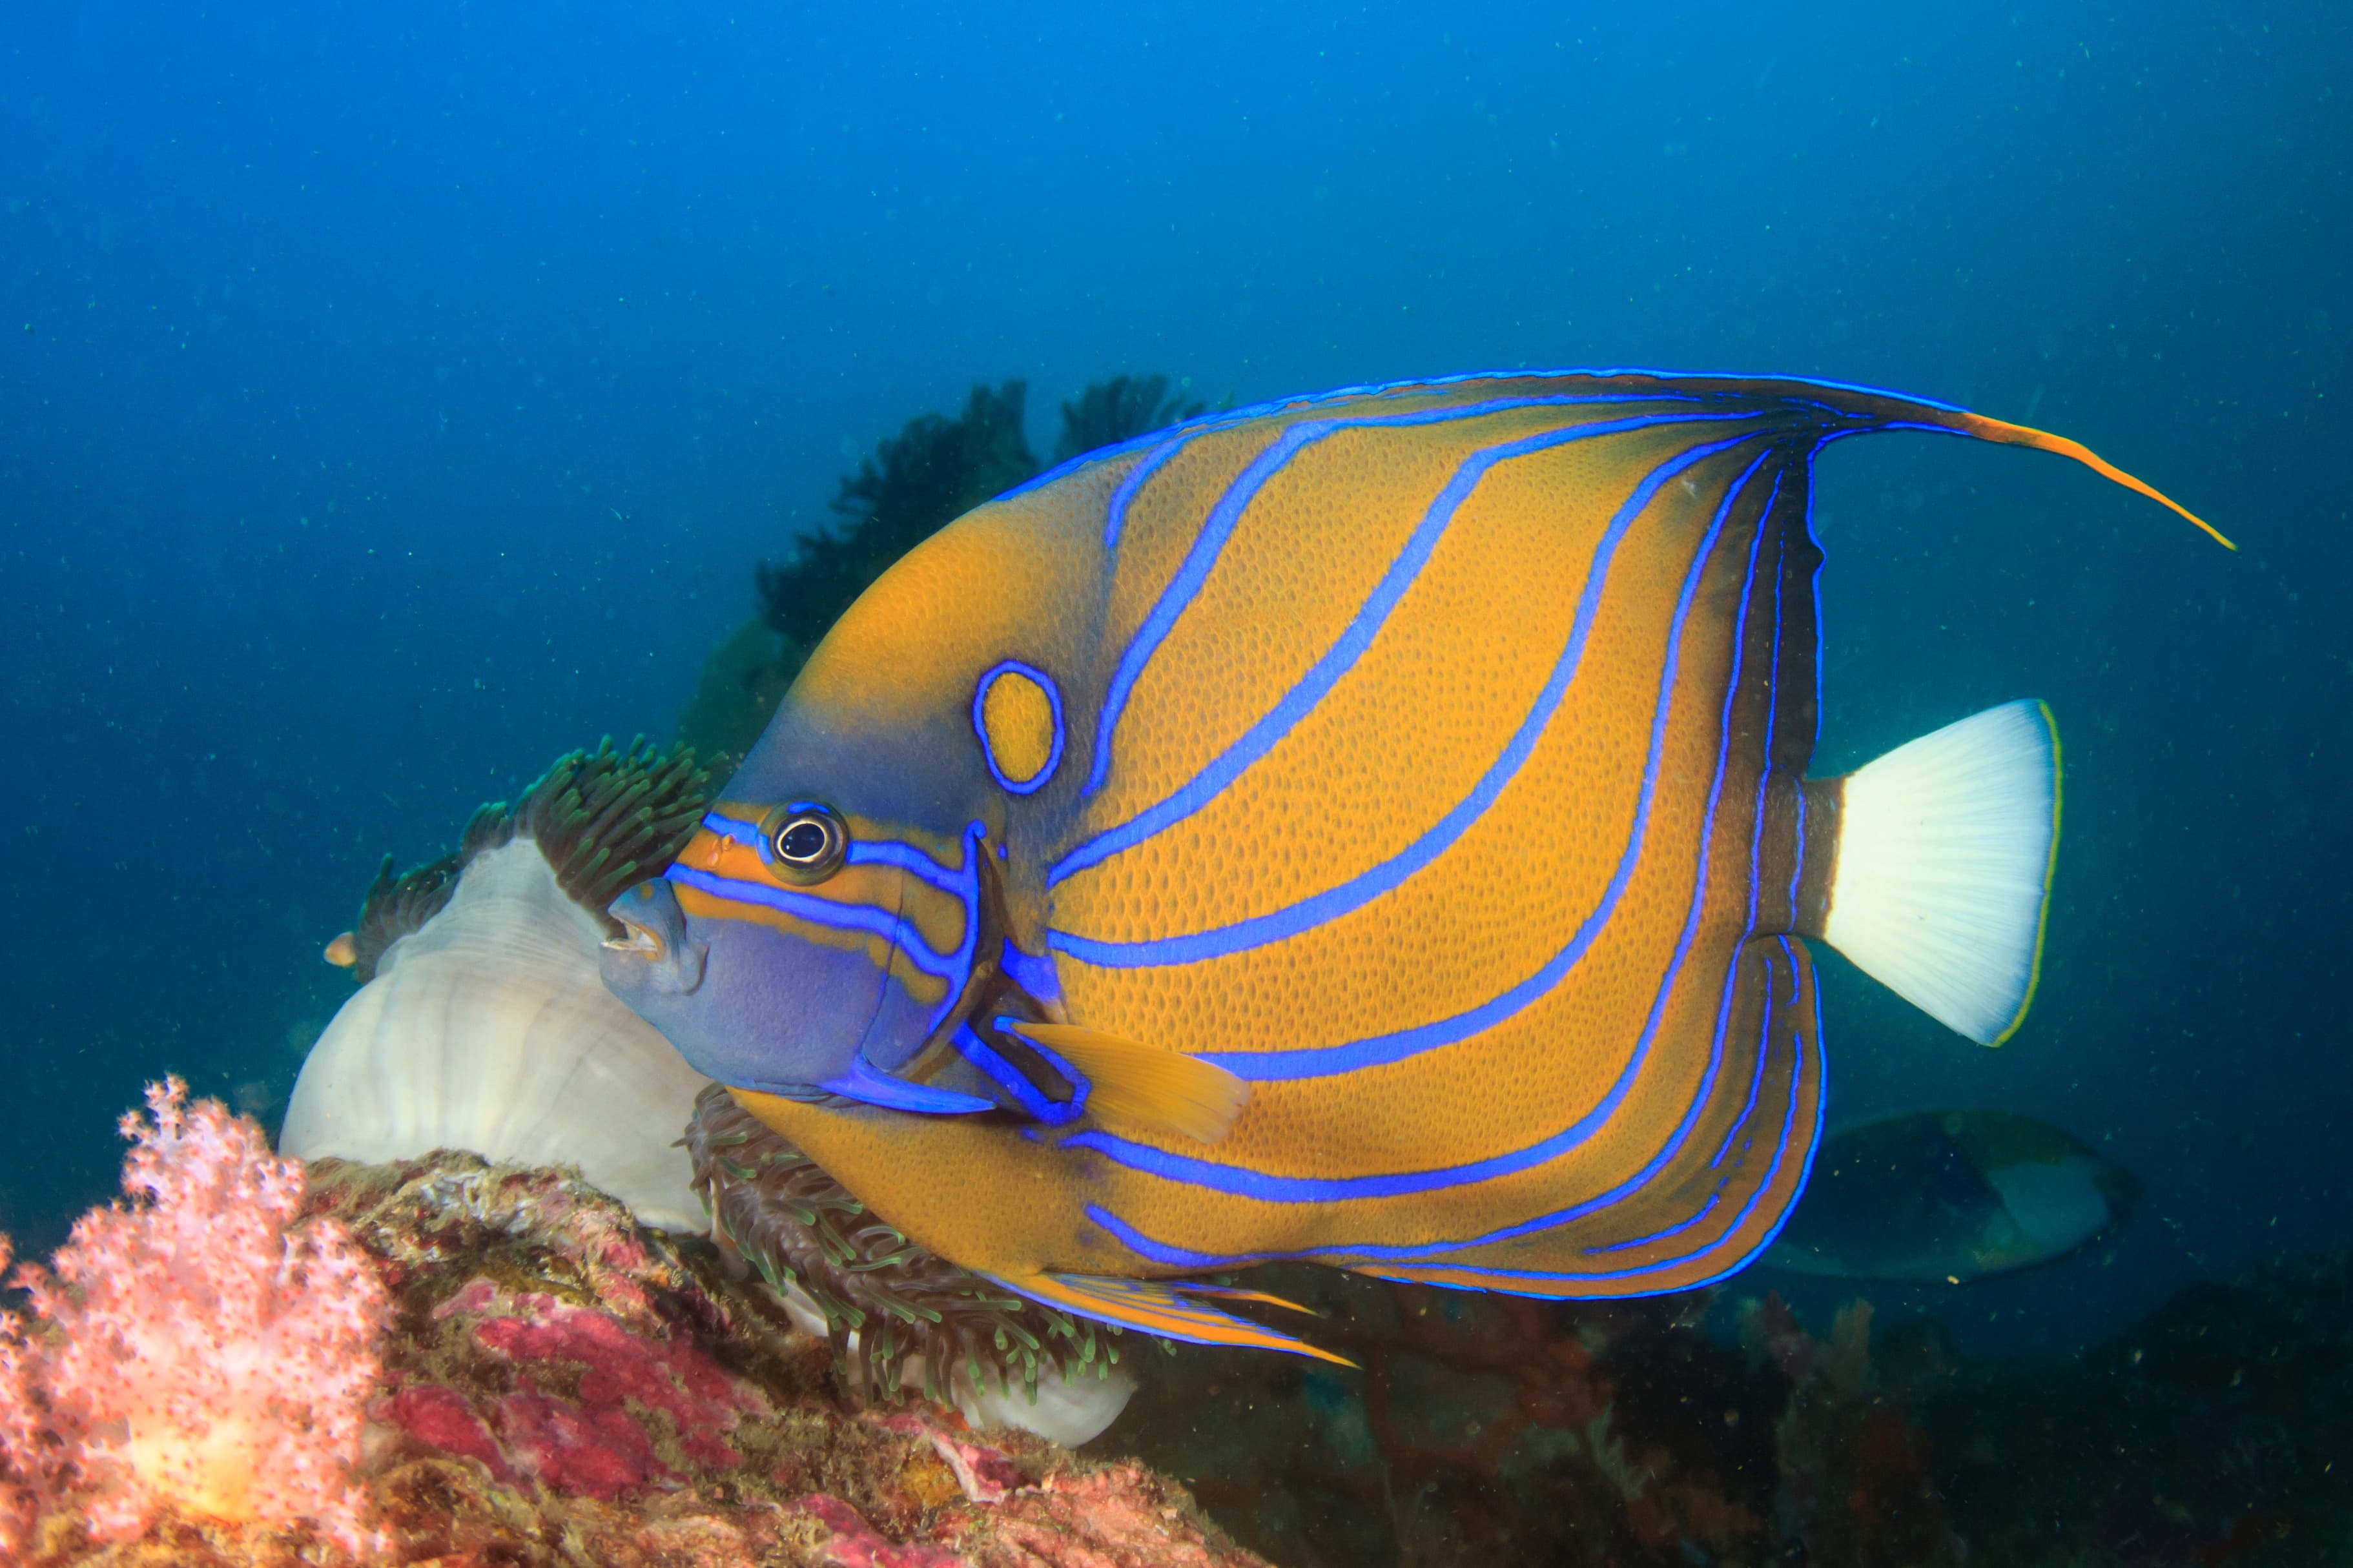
(393, 398)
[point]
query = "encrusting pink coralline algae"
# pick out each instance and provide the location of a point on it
(197, 1356)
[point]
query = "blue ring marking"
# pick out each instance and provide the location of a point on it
(988, 678)
(1218, 525)
(1324, 1061)
(863, 1083)
(821, 911)
(1347, 1256)
(1301, 699)
(1244, 1181)
(1362, 888)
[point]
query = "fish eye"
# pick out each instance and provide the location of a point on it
(807, 842)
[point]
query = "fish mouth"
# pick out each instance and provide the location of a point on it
(642, 941)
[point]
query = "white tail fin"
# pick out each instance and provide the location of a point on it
(1945, 845)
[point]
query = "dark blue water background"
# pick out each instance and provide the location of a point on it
(392, 397)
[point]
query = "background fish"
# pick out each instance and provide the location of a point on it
(1370, 830)
(1947, 1196)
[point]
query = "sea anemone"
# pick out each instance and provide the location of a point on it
(483, 1023)
(900, 1313)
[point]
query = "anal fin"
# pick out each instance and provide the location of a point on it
(1165, 1307)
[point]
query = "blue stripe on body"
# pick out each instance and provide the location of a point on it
(1671, 1231)
(1226, 514)
(1357, 1257)
(1116, 512)
(1755, 1079)
(1323, 1061)
(1354, 639)
(1281, 924)
(1244, 1181)
(1780, 1154)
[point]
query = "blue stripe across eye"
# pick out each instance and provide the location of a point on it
(1362, 888)
(961, 883)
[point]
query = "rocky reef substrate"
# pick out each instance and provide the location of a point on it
(561, 1385)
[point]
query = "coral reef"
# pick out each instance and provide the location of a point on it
(557, 1384)
(1483, 1429)
(200, 1353)
(1855, 1482)
(1491, 1430)
(486, 1026)
(1110, 412)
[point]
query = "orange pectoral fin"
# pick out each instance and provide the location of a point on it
(1156, 1307)
(1145, 1086)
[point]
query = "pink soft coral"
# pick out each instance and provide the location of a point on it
(199, 1356)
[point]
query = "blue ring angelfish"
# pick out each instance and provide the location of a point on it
(1017, 713)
